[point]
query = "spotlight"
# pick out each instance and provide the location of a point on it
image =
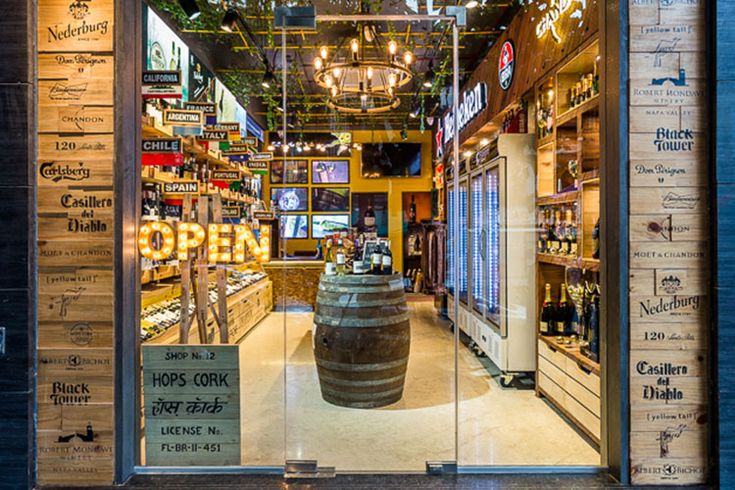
(268, 78)
(429, 77)
(229, 21)
(191, 9)
(472, 4)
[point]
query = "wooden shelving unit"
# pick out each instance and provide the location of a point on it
(151, 128)
(568, 180)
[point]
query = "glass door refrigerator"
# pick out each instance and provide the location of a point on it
(506, 292)
(451, 257)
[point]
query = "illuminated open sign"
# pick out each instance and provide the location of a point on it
(225, 243)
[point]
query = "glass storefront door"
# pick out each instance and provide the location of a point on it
(370, 373)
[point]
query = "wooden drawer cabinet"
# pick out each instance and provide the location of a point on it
(570, 384)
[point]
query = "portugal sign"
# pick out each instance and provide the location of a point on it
(506, 65)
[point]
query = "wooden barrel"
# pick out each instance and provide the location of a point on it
(361, 339)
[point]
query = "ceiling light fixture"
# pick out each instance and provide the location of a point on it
(190, 8)
(362, 74)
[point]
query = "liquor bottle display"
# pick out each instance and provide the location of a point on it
(412, 210)
(558, 230)
(387, 260)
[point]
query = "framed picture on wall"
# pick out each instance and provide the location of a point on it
(326, 224)
(295, 226)
(330, 171)
(296, 172)
(370, 212)
(291, 198)
(330, 198)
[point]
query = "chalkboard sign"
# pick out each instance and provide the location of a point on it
(191, 396)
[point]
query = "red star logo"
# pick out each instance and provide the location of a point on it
(439, 133)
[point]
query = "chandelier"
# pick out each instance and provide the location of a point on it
(364, 74)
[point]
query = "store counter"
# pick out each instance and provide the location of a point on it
(295, 282)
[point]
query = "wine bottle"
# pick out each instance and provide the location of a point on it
(553, 239)
(172, 61)
(541, 231)
(562, 233)
(412, 210)
(340, 258)
(387, 261)
(564, 313)
(548, 315)
(571, 232)
(329, 267)
(596, 240)
(376, 261)
(368, 219)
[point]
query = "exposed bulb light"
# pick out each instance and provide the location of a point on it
(392, 47)
(392, 80)
(484, 142)
(318, 63)
(268, 78)
(271, 147)
(337, 72)
(323, 52)
(334, 91)
(367, 32)
(354, 46)
(190, 8)
(328, 81)
(472, 4)
(408, 57)
(467, 154)
(429, 77)
(369, 72)
(414, 113)
(229, 21)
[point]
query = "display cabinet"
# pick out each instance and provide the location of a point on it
(567, 239)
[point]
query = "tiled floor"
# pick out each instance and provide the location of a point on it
(496, 426)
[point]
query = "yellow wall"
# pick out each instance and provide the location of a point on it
(395, 187)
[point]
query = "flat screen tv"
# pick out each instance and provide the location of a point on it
(330, 199)
(295, 226)
(391, 160)
(326, 224)
(290, 198)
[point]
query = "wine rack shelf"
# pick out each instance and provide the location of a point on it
(568, 207)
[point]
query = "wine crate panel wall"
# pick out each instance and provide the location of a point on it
(667, 250)
(76, 242)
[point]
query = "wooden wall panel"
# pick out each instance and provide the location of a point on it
(76, 389)
(669, 277)
(535, 57)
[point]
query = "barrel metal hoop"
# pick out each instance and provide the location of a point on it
(348, 366)
(351, 302)
(360, 322)
(361, 382)
(372, 395)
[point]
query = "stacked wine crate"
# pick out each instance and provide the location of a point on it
(668, 242)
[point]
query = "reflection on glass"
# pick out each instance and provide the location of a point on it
(478, 260)
(492, 262)
(462, 255)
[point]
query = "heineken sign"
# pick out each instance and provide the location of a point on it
(472, 102)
